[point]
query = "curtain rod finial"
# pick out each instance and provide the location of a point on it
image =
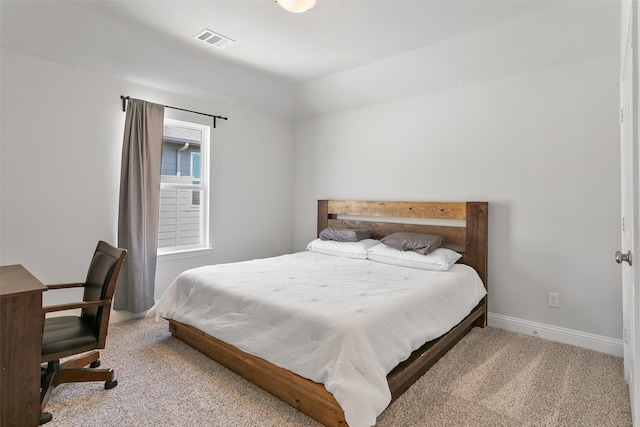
(124, 102)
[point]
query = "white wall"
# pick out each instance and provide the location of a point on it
(61, 142)
(541, 146)
(523, 115)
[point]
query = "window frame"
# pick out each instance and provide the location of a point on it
(203, 248)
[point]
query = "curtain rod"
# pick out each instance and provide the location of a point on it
(126, 98)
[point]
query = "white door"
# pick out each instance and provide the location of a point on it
(630, 224)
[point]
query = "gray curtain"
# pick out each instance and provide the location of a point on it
(139, 205)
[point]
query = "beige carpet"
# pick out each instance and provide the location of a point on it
(491, 378)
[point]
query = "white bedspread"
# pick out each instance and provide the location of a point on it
(338, 321)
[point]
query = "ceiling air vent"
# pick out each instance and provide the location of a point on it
(213, 38)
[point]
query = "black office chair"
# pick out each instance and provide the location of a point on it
(71, 335)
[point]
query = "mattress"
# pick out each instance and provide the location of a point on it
(342, 322)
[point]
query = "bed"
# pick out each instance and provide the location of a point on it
(315, 365)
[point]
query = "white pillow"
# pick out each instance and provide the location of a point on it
(344, 249)
(440, 259)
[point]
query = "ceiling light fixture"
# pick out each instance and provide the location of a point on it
(296, 6)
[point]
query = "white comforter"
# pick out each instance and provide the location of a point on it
(338, 321)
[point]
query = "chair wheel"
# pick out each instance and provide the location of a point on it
(95, 364)
(45, 417)
(110, 384)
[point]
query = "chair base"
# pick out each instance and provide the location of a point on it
(71, 371)
(45, 417)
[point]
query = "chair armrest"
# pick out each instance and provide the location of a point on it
(74, 305)
(64, 286)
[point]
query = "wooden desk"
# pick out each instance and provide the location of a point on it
(21, 322)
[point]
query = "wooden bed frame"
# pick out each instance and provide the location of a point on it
(468, 236)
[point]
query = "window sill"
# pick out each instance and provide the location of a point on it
(188, 253)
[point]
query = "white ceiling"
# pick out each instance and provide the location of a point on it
(342, 54)
(335, 36)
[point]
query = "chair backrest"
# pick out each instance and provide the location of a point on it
(100, 284)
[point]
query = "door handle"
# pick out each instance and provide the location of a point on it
(620, 257)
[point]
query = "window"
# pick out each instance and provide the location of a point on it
(184, 189)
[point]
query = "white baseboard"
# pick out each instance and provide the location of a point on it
(541, 330)
(122, 315)
(115, 316)
(567, 336)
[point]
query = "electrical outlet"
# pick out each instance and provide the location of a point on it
(554, 299)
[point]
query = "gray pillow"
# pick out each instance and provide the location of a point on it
(345, 234)
(416, 242)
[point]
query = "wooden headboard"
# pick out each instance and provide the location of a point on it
(467, 236)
